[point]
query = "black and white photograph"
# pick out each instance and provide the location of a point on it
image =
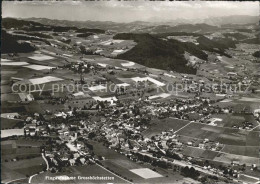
(129, 92)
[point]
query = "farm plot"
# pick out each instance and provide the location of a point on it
(199, 153)
(229, 158)
(119, 63)
(24, 142)
(22, 168)
(143, 79)
(242, 150)
(201, 131)
(7, 107)
(41, 57)
(146, 173)
(8, 72)
(193, 152)
(97, 88)
(34, 107)
(247, 99)
(10, 123)
(10, 97)
(39, 67)
(239, 137)
(122, 165)
(4, 60)
(162, 95)
(142, 173)
(128, 64)
(43, 80)
(247, 179)
(12, 132)
(100, 149)
(21, 153)
(9, 175)
(121, 169)
(228, 120)
(14, 63)
(157, 126)
(122, 85)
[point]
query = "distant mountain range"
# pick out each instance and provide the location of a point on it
(216, 21)
(194, 25)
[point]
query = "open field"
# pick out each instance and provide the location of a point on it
(199, 153)
(248, 179)
(126, 167)
(11, 132)
(228, 120)
(159, 125)
(242, 150)
(14, 63)
(21, 148)
(7, 107)
(97, 88)
(229, 158)
(162, 95)
(146, 173)
(10, 97)
(43, 80)
(10, 123)
(221, 134)
(41, 57)
(21, 153)
(39, 67)
(21, 169)
(122, 165)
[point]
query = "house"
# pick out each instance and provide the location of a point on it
(82, 161)
(72, 162)
(189, 143)
(202, 146)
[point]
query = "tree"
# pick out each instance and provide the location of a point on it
(91, 135)
(190, 172)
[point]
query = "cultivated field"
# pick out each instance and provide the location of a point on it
(159, 125)
(22, 168)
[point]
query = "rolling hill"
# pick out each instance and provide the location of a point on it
(157, 53)
(28, 25)
(9, 44)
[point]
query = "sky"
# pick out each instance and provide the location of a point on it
(127, 11)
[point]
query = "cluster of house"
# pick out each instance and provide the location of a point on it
(34, 126)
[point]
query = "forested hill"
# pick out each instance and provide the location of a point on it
(156, 53)
(10, 44)
(152, 51)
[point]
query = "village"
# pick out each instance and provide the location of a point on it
(72, 105)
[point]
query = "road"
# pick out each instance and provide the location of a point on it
(45, 161)
(14, 180)
(47, 164)
(256, 126)
(30, 179)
